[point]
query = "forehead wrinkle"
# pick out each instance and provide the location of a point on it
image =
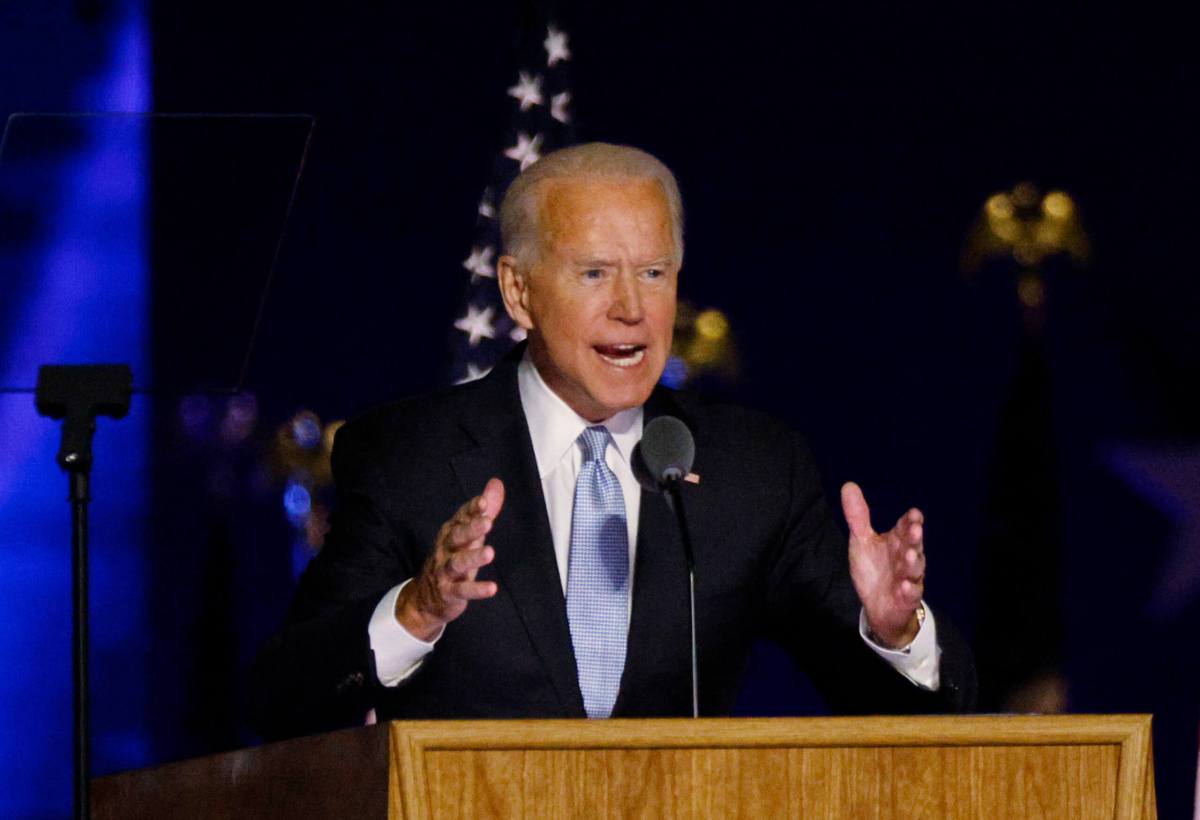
(568, 228)
(600, 237)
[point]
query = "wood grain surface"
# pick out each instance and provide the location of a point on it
(1075, 766)
(939, 767)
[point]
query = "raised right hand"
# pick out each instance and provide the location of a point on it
(446, 583)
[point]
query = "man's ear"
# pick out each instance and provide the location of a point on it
(514, 288)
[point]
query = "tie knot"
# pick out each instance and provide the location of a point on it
(595, 442)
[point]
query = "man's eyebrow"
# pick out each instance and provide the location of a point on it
(598, 262)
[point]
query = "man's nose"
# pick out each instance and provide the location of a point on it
(627, 299)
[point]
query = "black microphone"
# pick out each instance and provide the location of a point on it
(665, 453)
(661, 461)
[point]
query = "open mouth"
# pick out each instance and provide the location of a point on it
(622, 355)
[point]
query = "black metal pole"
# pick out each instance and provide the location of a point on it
(676, 499)
(76, 395)
(695, 669)
(79, 581)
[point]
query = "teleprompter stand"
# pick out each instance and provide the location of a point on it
(180, 297)
(77, 395)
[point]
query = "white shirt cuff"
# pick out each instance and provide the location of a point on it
(397, 653)
(920, 661)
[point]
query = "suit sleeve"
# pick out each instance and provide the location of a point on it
(317, 673)
(813, 610)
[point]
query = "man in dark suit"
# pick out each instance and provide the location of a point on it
(492, 555)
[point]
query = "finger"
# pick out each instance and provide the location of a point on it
(858, 514)
(914, 565)
(911, 527)
(492, 498)
(464, 564)
(469, 534)
(486, 504)
(911, 592)
(473, 590)
(468, 510)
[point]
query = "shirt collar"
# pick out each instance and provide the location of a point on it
(554, 426)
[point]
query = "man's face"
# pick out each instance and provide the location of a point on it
(599, 299)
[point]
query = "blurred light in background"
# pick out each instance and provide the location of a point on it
(241, 415)
(299, 457)
(306, 430)
(1028, 227)
(703, 347)
(297, 502)
(675, 374)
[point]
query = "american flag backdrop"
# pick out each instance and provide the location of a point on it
(541, 121)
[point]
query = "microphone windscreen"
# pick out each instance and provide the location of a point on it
(641, 472)
(665, 453)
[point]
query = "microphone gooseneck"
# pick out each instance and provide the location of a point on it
(661, 461)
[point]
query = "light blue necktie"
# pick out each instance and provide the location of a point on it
(598, 577)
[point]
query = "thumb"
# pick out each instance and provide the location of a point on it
(858, 514)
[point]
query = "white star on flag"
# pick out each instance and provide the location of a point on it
(477, 324)
(486, 209)
(517, 334)
(556, 46)
(526, 150)
(479, 263)
(558, 107)
(474, 372)
(528, 90)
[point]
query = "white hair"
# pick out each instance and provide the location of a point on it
(519, 210)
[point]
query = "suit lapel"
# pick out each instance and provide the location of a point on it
(525, 562)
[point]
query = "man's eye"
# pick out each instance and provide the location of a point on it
(593, 273)
(653, 273)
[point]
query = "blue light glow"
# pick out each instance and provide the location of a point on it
(675, 373)
(306, 429)
(90, 253)
(241, 415)
(297, 501)
(196, 416)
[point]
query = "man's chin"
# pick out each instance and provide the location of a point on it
(611, 402)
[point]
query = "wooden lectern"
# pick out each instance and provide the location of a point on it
(1077, 766)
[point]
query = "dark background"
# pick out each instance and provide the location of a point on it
(832, 160)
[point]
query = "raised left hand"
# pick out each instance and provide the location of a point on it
(888, 569)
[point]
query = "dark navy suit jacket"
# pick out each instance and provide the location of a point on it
(769, 561)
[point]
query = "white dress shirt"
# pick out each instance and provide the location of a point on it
(555, 429)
